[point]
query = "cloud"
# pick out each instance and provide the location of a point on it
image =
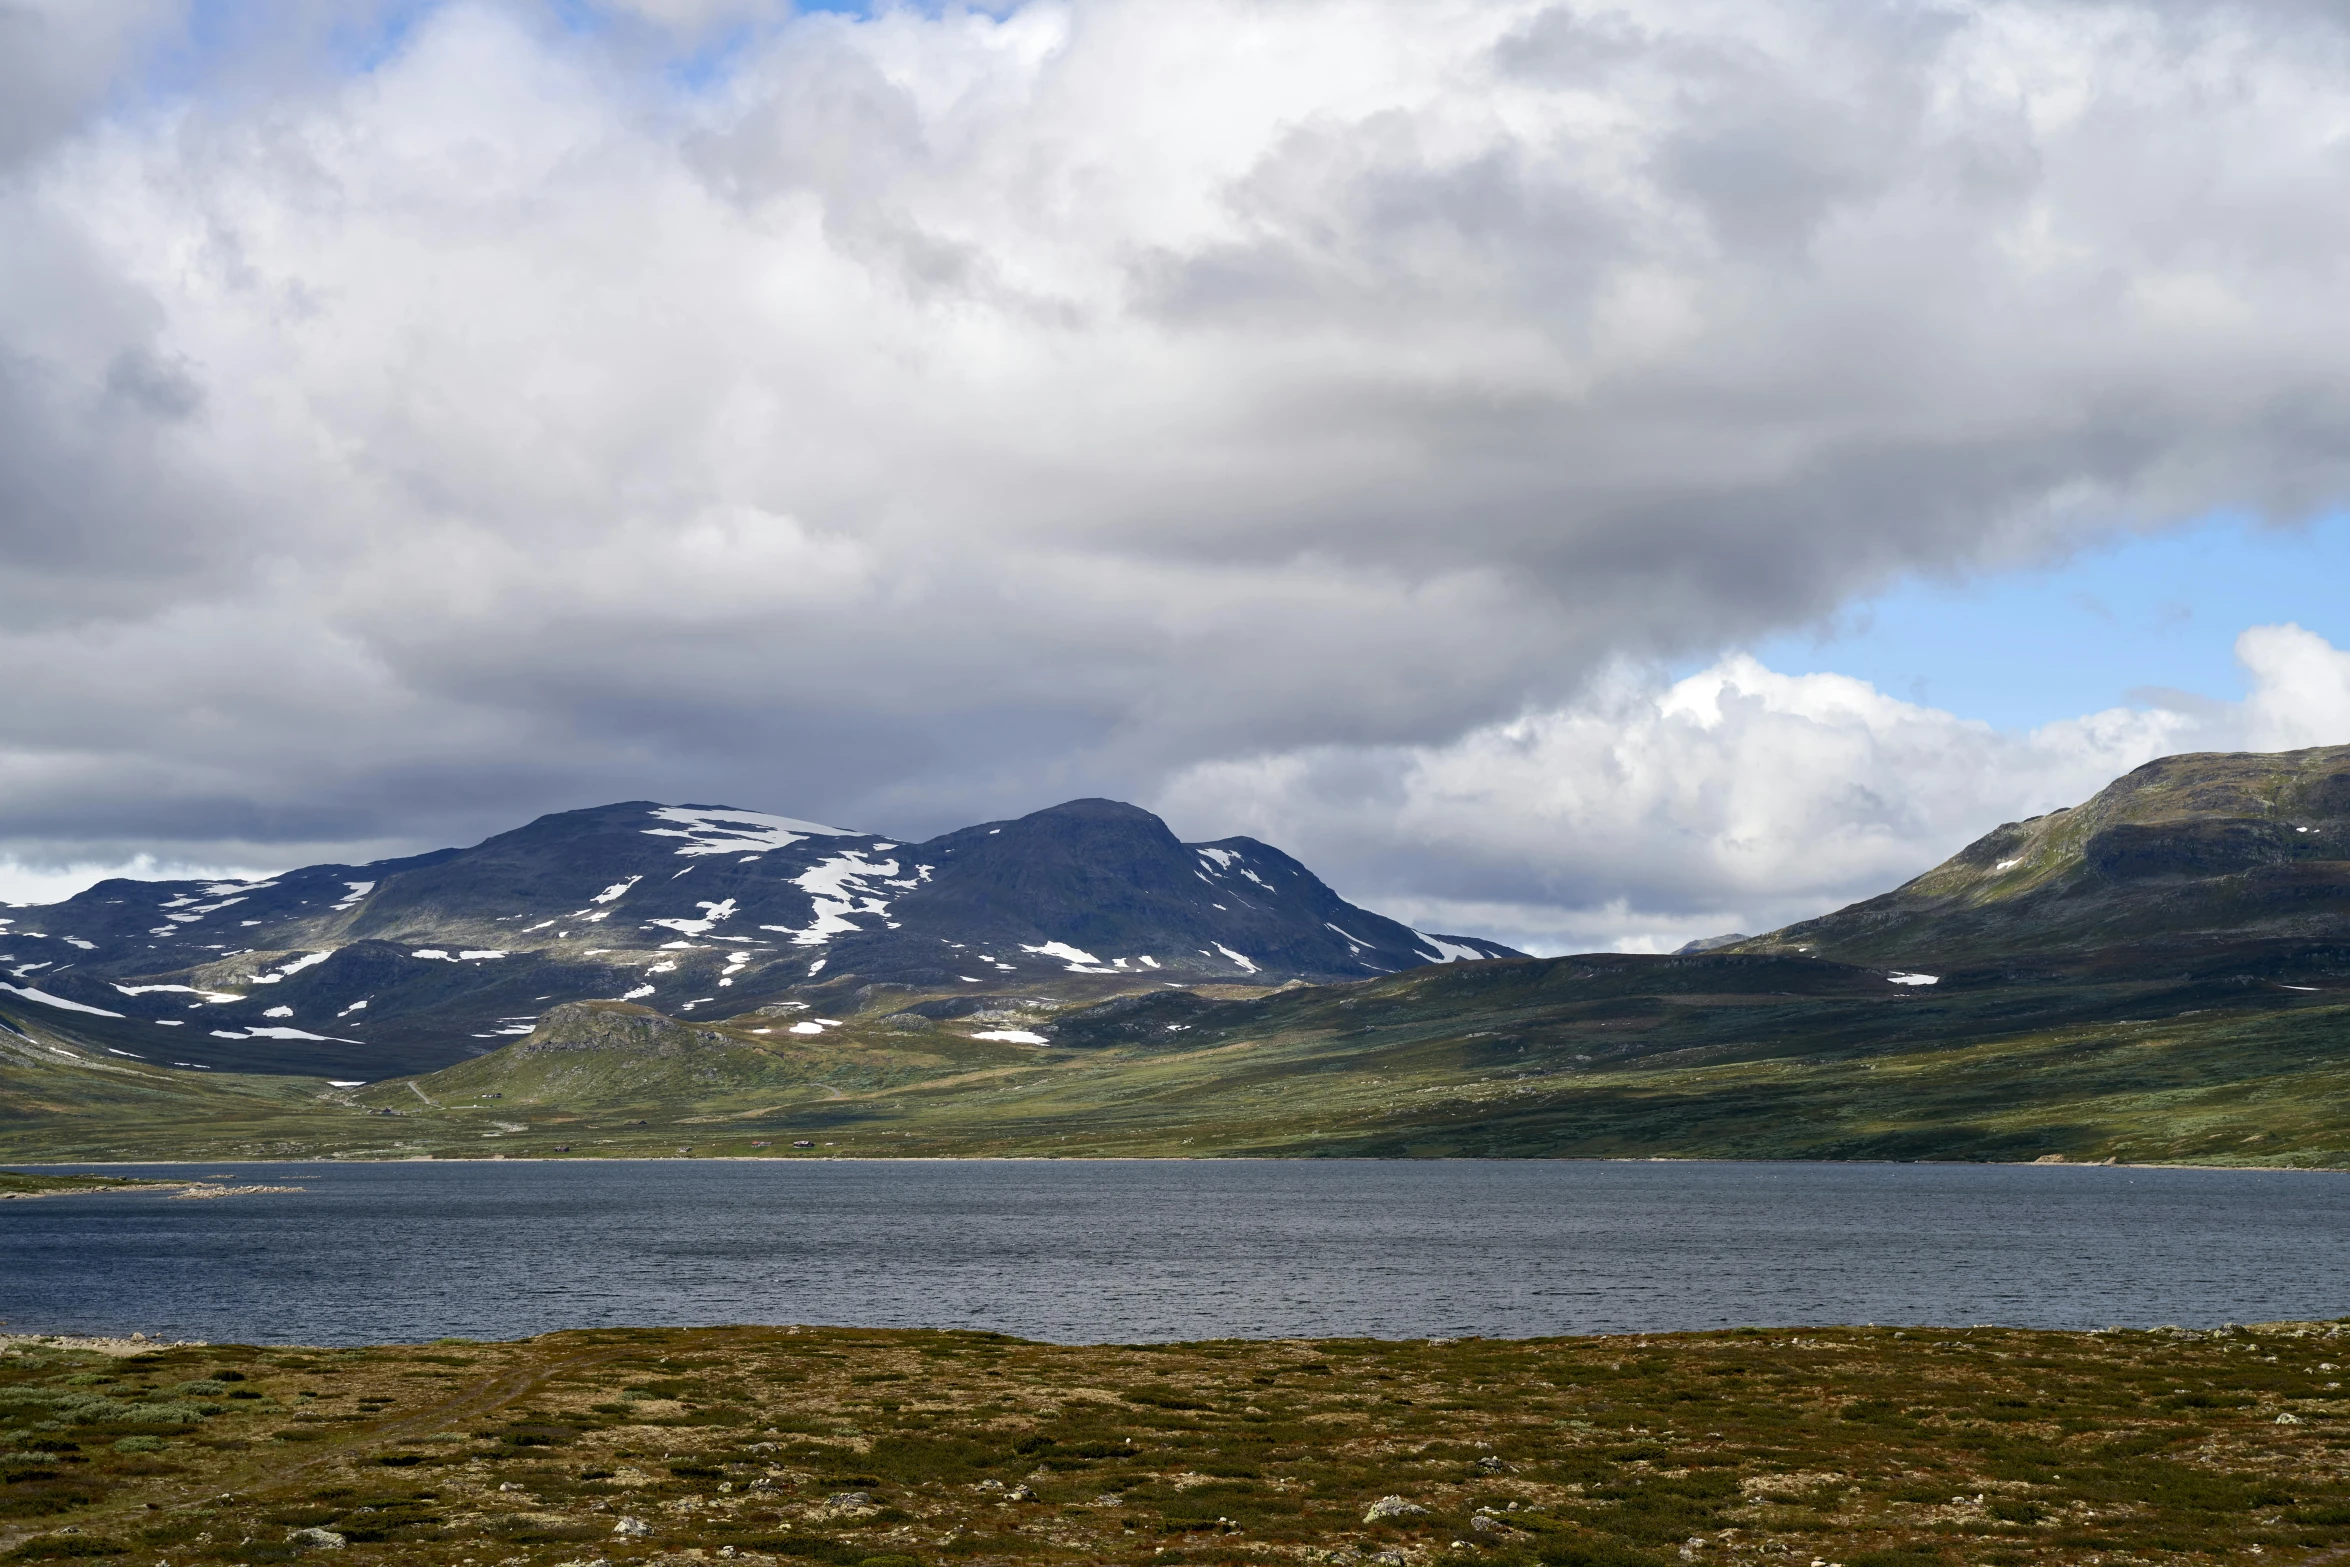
(693, 17)
(58, 61)
(23, 884)
(1738, 798)
(905, 419)
(2301, 689)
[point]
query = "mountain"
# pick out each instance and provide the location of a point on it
(2159, 974)
(2154, 974)
(2235, 863)
(358, 972)
(1710, 943)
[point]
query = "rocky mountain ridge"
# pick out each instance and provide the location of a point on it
(408, 964)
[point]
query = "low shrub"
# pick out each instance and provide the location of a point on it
(1162, 1398)
(1584, 1550)
(66, 1547)
(807, 1547)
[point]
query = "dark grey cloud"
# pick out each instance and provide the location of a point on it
(936, 415)
(60, 62)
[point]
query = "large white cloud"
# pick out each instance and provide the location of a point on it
(913, 418)
(2301, 689)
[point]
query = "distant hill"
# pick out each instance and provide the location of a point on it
(2239, 861)
(1709, 943)
(362, 971)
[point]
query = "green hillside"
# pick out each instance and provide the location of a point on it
(2239, 860)
(1622, 1057)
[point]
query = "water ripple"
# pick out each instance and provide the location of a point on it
(1089, 1251)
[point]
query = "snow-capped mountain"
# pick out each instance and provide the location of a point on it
(402, 965)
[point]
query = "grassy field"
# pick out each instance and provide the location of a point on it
(1847, 1447)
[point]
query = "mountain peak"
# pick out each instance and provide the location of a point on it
(1094, 808)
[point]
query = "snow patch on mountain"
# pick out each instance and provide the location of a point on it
(283, 1033)
(47, 1000)
(1447, 951)
(837, 888)
(712, 831)
(712, 914)
(308, 960)
(1079, 960)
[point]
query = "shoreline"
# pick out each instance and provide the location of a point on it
(2042, 1163)
(138, 1343)
(114, 1346)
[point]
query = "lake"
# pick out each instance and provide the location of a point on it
(1095, 1251)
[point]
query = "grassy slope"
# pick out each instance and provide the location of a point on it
(1593, 1059)
(62, 1103)
(1869, 1448)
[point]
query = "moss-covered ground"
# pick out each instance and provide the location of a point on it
(1858, 1447)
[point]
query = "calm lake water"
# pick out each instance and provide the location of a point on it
(1108, 1251)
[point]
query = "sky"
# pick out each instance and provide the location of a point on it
(1587, 475)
